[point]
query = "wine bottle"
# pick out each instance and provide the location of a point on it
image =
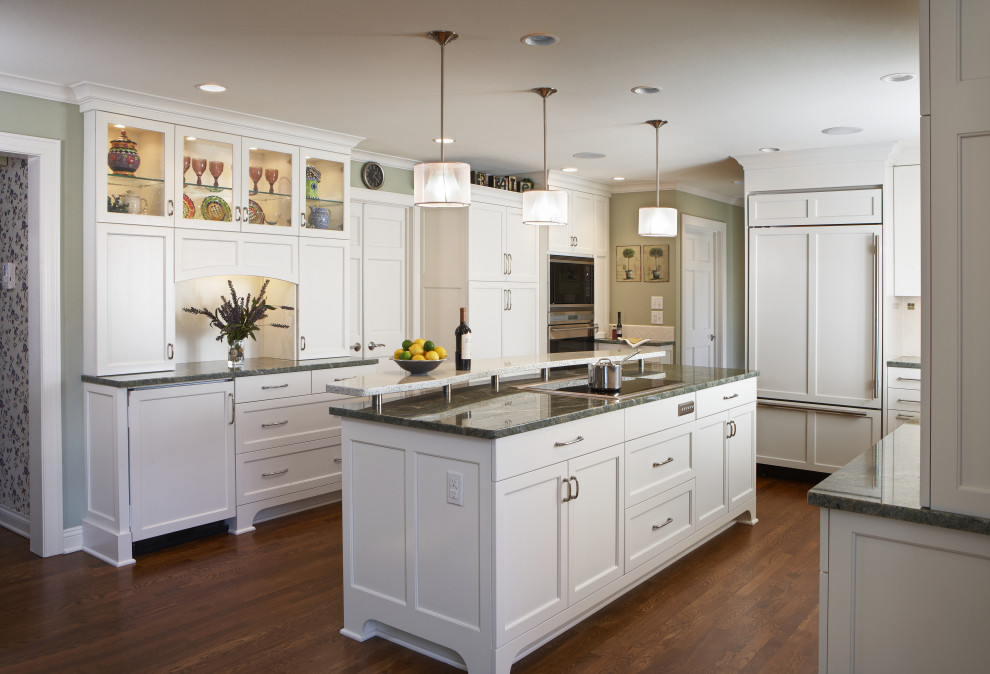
(618, 327)
(462, 337)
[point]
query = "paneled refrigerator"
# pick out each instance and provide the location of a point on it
(815, 336)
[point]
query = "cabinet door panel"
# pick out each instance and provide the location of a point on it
(521, 323)
(782, 437)
(581, 217)
(602, 243)
(596, 523)
(709, 440)
(321, 312)
(384, 278)
(741, 458)
(841, 438)
(522, 243)
(657, 462)
(486, 232)
(907, 231)
(486, 308)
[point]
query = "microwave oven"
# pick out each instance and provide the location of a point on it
(572, 283)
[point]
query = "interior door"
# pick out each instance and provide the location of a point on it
(698, 296)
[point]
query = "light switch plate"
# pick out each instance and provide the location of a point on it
(7, 275)
(656, 302)
(656, 317)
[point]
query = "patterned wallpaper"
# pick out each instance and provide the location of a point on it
(14, 339)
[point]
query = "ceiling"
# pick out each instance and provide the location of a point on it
(736, 75)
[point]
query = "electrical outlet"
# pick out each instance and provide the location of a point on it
(656, 302)
(455, 488)
(656, 317)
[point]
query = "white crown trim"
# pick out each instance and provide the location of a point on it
(24, 86)
(823, 155)
(366, 196)
(383, 159)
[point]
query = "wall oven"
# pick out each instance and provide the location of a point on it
(571, 316)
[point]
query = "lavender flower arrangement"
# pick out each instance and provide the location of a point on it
(239, 317)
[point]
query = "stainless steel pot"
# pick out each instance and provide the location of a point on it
(606, 375)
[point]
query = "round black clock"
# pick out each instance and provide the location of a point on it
(373, 175)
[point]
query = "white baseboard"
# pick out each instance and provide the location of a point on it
(72, 540)
(15, 521)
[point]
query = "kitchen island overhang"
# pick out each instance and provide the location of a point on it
(476, 530)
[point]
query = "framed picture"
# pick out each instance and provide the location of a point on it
(657, 263)
(628, 263)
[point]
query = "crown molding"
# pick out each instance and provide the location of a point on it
(825, 155)
(643, 186)
(383, 159)
(572, 182)
(490, 195)
(379, 197)
(14, 84)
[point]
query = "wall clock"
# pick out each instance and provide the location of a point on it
(372, 175)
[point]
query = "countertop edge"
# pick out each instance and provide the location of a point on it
(936, 518)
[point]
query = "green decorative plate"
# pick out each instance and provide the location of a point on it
(215, 208)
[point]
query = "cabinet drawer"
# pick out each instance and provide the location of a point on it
(903, 377)
(657, 462)
(264, 424)
(904, 399)
(657, 524)
(658, 415)
(271, 386)
(338, 374)
(522, 453)
(284, 470)
(727, 396)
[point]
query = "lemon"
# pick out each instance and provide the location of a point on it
(416, 349)
(398, 354)
(405, 356)
(420, 341)
(431, 355)
(429, 346)
(406, 343)
(418, 356)
(440, 351)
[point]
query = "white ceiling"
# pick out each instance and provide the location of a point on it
(736, 74)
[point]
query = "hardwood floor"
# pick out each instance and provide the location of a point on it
(270, 601)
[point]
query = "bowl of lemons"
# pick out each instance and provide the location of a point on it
(419, 356)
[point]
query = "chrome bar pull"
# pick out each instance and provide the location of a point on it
(265, 388)
(577, 486)
(170, 351)
(661, 526)
(374, 345)
(734, 395)
(344, 378)
(876, 316)
(302, 343)
(275, 423)
(275, 473)
(171, 207)
(568, 497)
(663, 463)
(231, 396)
(906, 417)
(569, 442)
(510, 263)
(908, 379)
(338, 460)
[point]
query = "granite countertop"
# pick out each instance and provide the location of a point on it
(481, 412)
(392, 379)
(905, 361)
(634, 343)
(886, 482)
(217, 369)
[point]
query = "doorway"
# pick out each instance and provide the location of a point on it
(42, 158)
(703, 291)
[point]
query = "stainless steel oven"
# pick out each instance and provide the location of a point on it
(572, 283)
(570, 331)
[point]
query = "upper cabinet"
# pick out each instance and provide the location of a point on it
(134, 170)
(907, 230)
(324, 178)
(834, 207)
(209, 186)
(586, 232)
(270, 206)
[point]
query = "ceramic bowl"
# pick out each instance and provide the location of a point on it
(418, 366)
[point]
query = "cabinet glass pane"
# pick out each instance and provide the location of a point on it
(270, 180)
(207, 179)
(135, 170)
(324, 194)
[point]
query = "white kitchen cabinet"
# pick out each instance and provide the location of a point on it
(279, 198)
(181, 441)
(504, 319)
(197, 189)
(323, 179)
(131, 296)
(741, 455)
(903, 400)
(500, 246)
(602, 277)
(521, 320)
(322, 298)
(834, 207)
(522, 245)
(907, 231)
(816, 438)
(602, 233)
(580, 235)
(709, 439)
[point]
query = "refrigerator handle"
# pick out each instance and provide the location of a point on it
(876, 316)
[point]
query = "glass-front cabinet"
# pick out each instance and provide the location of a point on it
(134, 171)
(269, 182)
(323, 176)
(210, 191)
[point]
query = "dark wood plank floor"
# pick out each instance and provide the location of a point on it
(270, 601)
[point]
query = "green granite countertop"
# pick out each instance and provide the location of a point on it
(905, 361)
(217, 369)
(886, 482)
(481, 412)
(635, 343)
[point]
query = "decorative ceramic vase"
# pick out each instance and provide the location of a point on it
(319, 218)
(235, 354)
(123, 158)
(656, 274)
(629, 273)
(313, 178)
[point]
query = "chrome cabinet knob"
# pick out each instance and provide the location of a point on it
(356, 346)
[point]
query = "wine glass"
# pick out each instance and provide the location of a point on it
(198, 167)
(255, 173)
(185, 167)
(271, 175)
(216, 168)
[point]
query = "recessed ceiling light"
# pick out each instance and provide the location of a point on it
(539, 40)
(618, 178)
(211, 87)
(569, 169)
(588, 155)
(769, 149)
(841, 130)
(898, 77)
(646, 90)
(445, 141)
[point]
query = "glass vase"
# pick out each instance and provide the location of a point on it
(235, 354)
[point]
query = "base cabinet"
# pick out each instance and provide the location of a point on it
(816, 439)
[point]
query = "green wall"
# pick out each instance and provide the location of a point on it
(397, 180)
(633, 298)
(28, 116)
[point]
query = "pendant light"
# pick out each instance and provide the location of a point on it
(443, 184)
(656, 221)
(545, 207)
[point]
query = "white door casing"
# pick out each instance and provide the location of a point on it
(703, 291)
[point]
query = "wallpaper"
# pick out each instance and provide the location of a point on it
(14, 339)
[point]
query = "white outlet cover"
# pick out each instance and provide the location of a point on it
(656, 302)
(656, 317)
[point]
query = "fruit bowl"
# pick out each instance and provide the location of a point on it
(418, 366)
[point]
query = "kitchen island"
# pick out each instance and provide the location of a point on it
(478, 526)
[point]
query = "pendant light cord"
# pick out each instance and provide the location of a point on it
(443, 48)
(657, 128)
(546, 171)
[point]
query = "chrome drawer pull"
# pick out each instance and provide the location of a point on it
(906, 417)
(734, 395)
(577, 486)
(275, 423)
(663, 463)
(568, 497)
(569, 442)
(661, 526)
(265, 388)
(345, 378)
(338, 460)
(276, 473)
(908, 379)
(902, 400)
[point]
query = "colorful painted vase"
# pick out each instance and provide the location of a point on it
(123, 158)
(313, 178)
(319, 218)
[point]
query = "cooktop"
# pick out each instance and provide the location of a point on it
(631, 386)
